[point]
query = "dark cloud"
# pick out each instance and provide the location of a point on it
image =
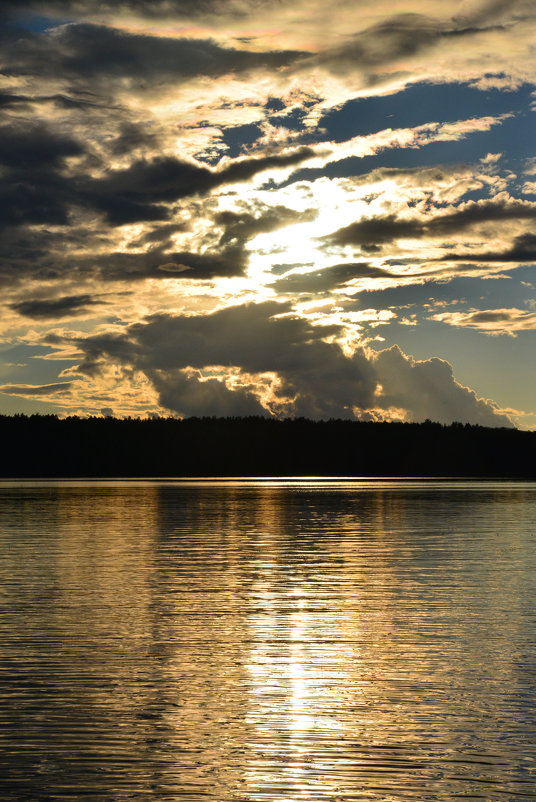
(315, 377)
(34, 147)
(251, 336)
(486, 12)
(401, 35)
(161, 235)
(121, 209)
(34, 188)
(8, 99)
(246, 168)
(195, 396)
(97, 53)
(137, 192)
(51, 256)
(39, 188)
(489, 316)
(30, 255)
(146, 182)
(475, 213)
(37, 253)
(227, 256)
(239, 227)
(146, 8)
(374, 231)
(328, 278)
(130, 137)
(156, 263)
(228, 262)
(33, 199)
(523, 250)
(66, 306)
(490, 11)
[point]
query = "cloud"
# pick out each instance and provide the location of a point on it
(192, 394)
(241, 226)
(311, 377)
(150, 9)
(384, 229)
(27, 146)
(66, 306)
(227, 255)
(373, 231)
(428, 389)
(33, 189)
(132, 136)
(118, 121)
(138, 191)
(522, 250)
(243, 358)
(156, 264)
(398, 37)
(36, 389)
(38, 189)
(78, 254)
(328, 278)
(490, 321)
(108, 54)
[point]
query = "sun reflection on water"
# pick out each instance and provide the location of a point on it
(270, 641)
(295, 678)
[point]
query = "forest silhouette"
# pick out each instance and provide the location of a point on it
(48, 446)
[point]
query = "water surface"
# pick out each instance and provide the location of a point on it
(275, 641)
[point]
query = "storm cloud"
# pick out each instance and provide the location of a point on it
(313, 376)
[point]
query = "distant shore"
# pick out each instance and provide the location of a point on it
(46, 446)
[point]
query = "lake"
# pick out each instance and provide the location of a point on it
(283, 641)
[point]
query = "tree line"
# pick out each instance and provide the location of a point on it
(48, 446)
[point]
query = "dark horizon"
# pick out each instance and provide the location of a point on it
(47, 446)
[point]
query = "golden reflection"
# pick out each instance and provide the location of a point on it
(103, 588)
(271, 641)
(351, 661)
(294, 670)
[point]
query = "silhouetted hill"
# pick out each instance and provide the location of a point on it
(44, 445)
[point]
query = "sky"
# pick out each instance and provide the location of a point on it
(266, 207)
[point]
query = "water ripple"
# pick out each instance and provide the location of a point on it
(278, 641)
